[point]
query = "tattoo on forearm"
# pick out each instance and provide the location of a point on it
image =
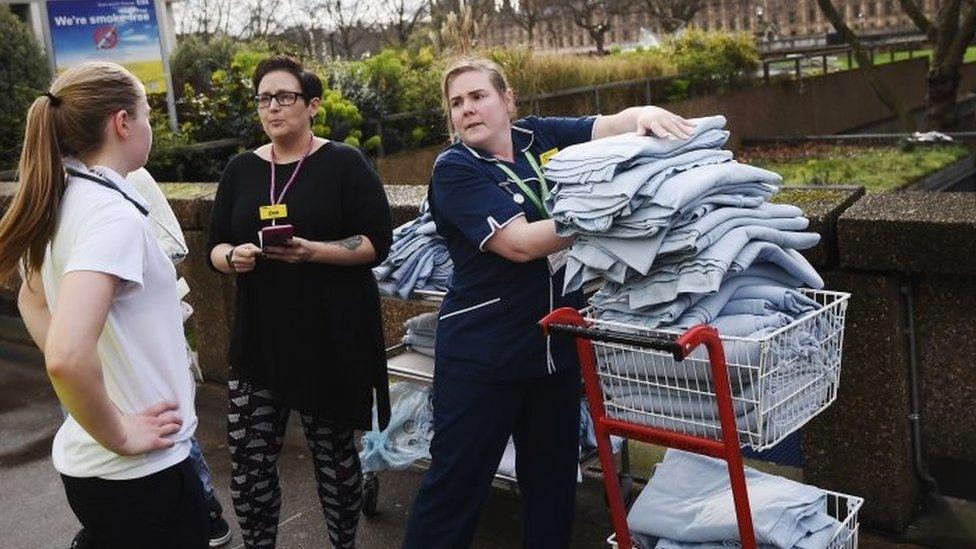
(350, 243)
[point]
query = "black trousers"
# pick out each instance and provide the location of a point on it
(472, 422)
(165, 510)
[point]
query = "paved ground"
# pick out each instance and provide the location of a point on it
(34, 513)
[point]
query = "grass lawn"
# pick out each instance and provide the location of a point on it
(882, 57)
(878, 169)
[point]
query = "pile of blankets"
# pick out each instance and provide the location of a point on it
(681, 234)
(418, 259)
(688, 504)
(421, 333)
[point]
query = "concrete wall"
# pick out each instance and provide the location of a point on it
(820, 105)
(891, 247)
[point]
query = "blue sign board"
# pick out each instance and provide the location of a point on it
(122, 31)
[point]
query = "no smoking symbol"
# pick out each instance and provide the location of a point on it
(106, 37)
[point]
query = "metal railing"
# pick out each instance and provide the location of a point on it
(799, 58)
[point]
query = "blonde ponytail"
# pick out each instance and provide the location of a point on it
(67, 120)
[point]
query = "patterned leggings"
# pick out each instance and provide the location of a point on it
(256, 423)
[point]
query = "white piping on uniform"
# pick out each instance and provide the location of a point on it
(531, 136)
(471, 308)
(550, 363)
(495, 227)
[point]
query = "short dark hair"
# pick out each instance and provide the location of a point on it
(310, 83)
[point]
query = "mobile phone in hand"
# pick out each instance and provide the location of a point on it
(275, 235)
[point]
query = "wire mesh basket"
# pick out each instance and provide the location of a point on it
(778, 382)
(841, 507)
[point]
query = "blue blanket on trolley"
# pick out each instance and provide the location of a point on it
(688, 504)
(418, 259)
(421, 333)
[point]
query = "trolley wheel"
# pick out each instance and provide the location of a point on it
(371, 494)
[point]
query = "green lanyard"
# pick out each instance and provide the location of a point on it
(525, 188)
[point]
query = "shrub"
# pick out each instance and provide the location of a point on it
(196, 59)
(24, 75)
(713, 59)
(532, 74)
(225, 108)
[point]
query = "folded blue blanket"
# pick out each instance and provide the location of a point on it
(418, 259)
(421, 333)
(688, 501)
(600, 159)
(705, 273)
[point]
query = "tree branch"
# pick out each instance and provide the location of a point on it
(866, 66)
(947, 28)
(957, 50)
(918, 17)
(673, 14)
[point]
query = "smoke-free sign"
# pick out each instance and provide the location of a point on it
(121, 31)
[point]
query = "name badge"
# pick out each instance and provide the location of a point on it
(274, 211)
(544, 157)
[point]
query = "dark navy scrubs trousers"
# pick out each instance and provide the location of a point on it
(472, 422)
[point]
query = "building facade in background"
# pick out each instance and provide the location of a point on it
(768, 20)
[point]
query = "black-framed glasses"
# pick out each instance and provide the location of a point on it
(284, 99)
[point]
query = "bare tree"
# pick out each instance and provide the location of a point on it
(950, 35)
(866, 65)
(351, 21)
(674, 15)
(405, 16)
(264, 18)
(204, 18)
(528, 14)
(596, 16)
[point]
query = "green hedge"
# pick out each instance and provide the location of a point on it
(24, 75)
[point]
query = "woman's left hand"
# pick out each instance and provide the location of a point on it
(296, 250)
(663, 123)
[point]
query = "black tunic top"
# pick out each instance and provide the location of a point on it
(310, 332)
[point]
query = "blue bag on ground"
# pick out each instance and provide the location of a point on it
(407, 438)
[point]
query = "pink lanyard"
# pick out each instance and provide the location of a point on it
(294, 174)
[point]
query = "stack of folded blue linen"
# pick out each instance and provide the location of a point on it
(682, 234)
(418, 259)
(675, 214)
(688, 504)
(421, 332)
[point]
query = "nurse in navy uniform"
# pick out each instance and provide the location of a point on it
(496, 374)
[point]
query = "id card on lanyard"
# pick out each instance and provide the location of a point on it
(556, 260)
(276, 210)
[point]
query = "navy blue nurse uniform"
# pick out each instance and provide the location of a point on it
(496, 374)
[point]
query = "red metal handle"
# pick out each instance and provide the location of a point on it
(568, 320)
(708, 336)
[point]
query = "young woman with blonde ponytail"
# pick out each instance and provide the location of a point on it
(98, 295)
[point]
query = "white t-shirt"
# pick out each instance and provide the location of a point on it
(141, 348)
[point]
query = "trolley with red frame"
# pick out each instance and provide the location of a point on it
(744, 392)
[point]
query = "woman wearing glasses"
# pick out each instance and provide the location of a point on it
(307, 333)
